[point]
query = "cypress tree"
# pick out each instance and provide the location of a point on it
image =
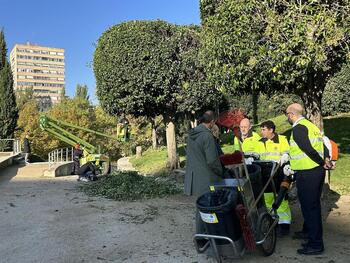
(8, 107)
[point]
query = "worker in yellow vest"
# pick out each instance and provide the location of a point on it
(309, 163)
(275, 147)
(246, 139)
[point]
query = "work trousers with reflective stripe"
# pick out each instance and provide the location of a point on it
(309, 186)
(285, 216)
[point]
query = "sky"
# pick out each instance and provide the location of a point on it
(76, 25)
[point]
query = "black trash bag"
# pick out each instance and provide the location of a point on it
(256, 182)
(217, 211)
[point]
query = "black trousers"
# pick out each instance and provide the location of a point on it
(82, 171)
(309, 185)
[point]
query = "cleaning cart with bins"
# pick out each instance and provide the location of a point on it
(234, 214)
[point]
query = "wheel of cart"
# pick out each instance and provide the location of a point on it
(267, 234)
(258, 225)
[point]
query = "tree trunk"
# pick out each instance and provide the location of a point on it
(255, 98)
(312, 98)
(154, 133)
(193, 120)
(154, 138)
(171, 144)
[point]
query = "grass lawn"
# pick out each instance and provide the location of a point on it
(154, 161)
(337, 128)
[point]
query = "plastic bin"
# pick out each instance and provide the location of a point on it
(217, 211)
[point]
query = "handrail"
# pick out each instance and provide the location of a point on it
(16, 145)
(61, 155)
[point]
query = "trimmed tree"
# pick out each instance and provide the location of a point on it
(8, 108)
(292, 46)
(148, 68)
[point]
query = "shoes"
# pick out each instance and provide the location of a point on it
(304, 245)
(310, 251)
(84, 179)
(300, 235)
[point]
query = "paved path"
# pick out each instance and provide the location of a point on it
(49, 220)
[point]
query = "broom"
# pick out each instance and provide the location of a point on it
(248, 235)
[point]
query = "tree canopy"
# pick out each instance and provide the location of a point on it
(292, 46)
(150, 68)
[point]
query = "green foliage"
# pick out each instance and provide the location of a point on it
(8, 108)
(75, 111)
(336, 97)
(3, 49)
(81, 91)
(340, 177)
(150, 68)
(130, 186)
(270, 45)
(24, 96)
(28, 123)
(108, 125)
(337, 129)
(78, 112)
(5, 145)
(208, 8)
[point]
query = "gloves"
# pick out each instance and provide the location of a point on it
(287, 170)
(249, 160)
(284, 158)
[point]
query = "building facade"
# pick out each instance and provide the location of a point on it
(39, 68)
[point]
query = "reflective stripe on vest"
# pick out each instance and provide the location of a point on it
(273, 151)
(299, 160)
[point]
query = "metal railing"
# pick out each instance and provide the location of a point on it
(10, 145)
(60, 156)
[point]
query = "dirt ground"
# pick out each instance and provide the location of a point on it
(50, 220)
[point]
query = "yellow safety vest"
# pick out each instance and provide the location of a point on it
(271, 150)
(248, 144)
(299, 159)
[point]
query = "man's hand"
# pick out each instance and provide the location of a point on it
(287, 170)
(284, 159)
(327, 164)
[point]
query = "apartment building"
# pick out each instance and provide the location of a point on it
(40, 68)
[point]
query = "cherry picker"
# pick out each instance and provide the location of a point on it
(90, 154)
